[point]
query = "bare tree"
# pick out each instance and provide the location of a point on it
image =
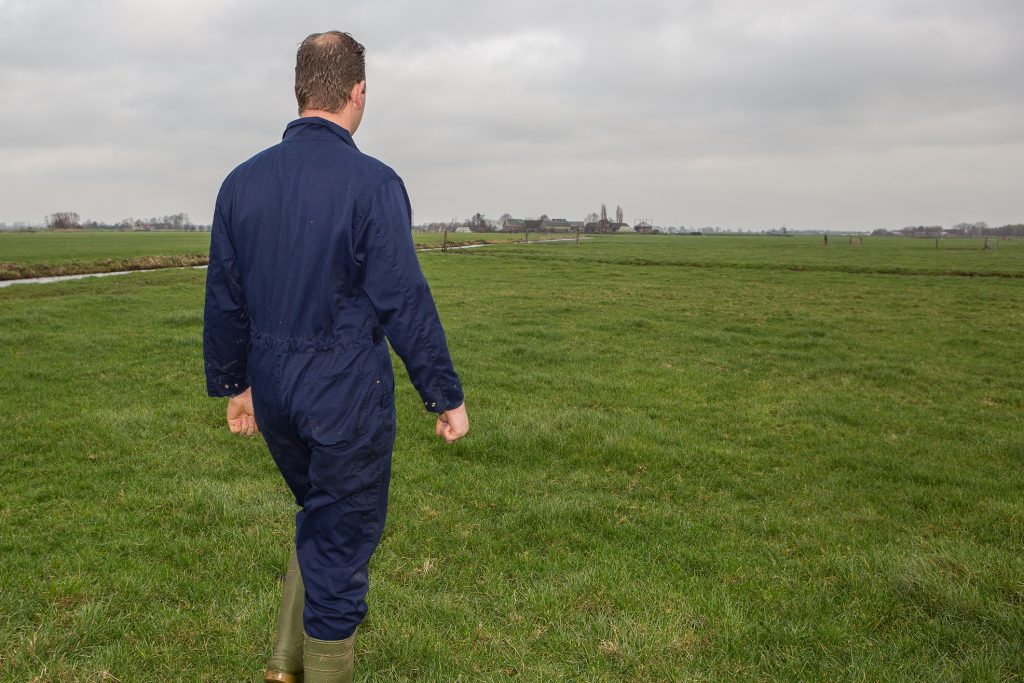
(62, 220)
(618, 215)
(591, 218)
(604, 213)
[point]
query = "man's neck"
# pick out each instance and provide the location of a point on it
(343, 118)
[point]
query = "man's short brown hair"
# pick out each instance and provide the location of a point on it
(326, 67)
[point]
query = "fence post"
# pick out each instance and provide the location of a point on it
(444, 244)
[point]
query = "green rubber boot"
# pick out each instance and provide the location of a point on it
(329, 661)
(285, 665)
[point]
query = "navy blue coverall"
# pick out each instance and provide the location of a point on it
(311, 266)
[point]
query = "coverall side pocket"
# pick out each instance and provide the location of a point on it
(342, 399)
(385, 381)
(331, 423)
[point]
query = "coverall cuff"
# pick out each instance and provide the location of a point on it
(449, 398)
(226, 386)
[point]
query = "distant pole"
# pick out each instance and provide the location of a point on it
(826, 239)
(444, 244)
(527, 234)
(578, 238)
(936, 242)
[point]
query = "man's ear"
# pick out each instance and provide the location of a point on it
(358, 94)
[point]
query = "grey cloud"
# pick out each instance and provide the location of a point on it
(727, 113)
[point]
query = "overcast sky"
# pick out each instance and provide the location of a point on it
(737, 113)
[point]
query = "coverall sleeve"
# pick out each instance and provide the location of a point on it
(398, 291)
(225, 319)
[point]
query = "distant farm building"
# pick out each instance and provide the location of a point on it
(540, 225)
(600, 227)
(560, 225)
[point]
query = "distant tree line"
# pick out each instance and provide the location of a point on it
(979, 229)
(601, 223)
(1002, 231)
(176, 221)
(477, 223)
(69, 220)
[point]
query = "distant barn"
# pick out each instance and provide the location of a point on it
(604, 226)
(546, 224)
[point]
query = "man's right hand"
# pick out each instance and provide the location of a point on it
(452, 424)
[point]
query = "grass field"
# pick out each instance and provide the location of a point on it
(42, 254)
(691, 459)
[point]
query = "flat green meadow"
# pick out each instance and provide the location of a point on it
(52, 247)
(72, 252)
(690, 459)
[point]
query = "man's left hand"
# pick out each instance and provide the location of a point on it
(241, 419)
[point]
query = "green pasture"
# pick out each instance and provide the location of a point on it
(95, 250)
(95, 245)
(39, 254)
(691, 459)
(875, 255)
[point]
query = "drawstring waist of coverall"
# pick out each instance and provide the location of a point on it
(361, 340)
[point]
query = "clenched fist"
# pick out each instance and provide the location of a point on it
(452, 424)
(241, 419)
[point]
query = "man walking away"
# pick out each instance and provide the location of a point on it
(311, 267)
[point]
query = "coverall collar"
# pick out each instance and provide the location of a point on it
(314, 126)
